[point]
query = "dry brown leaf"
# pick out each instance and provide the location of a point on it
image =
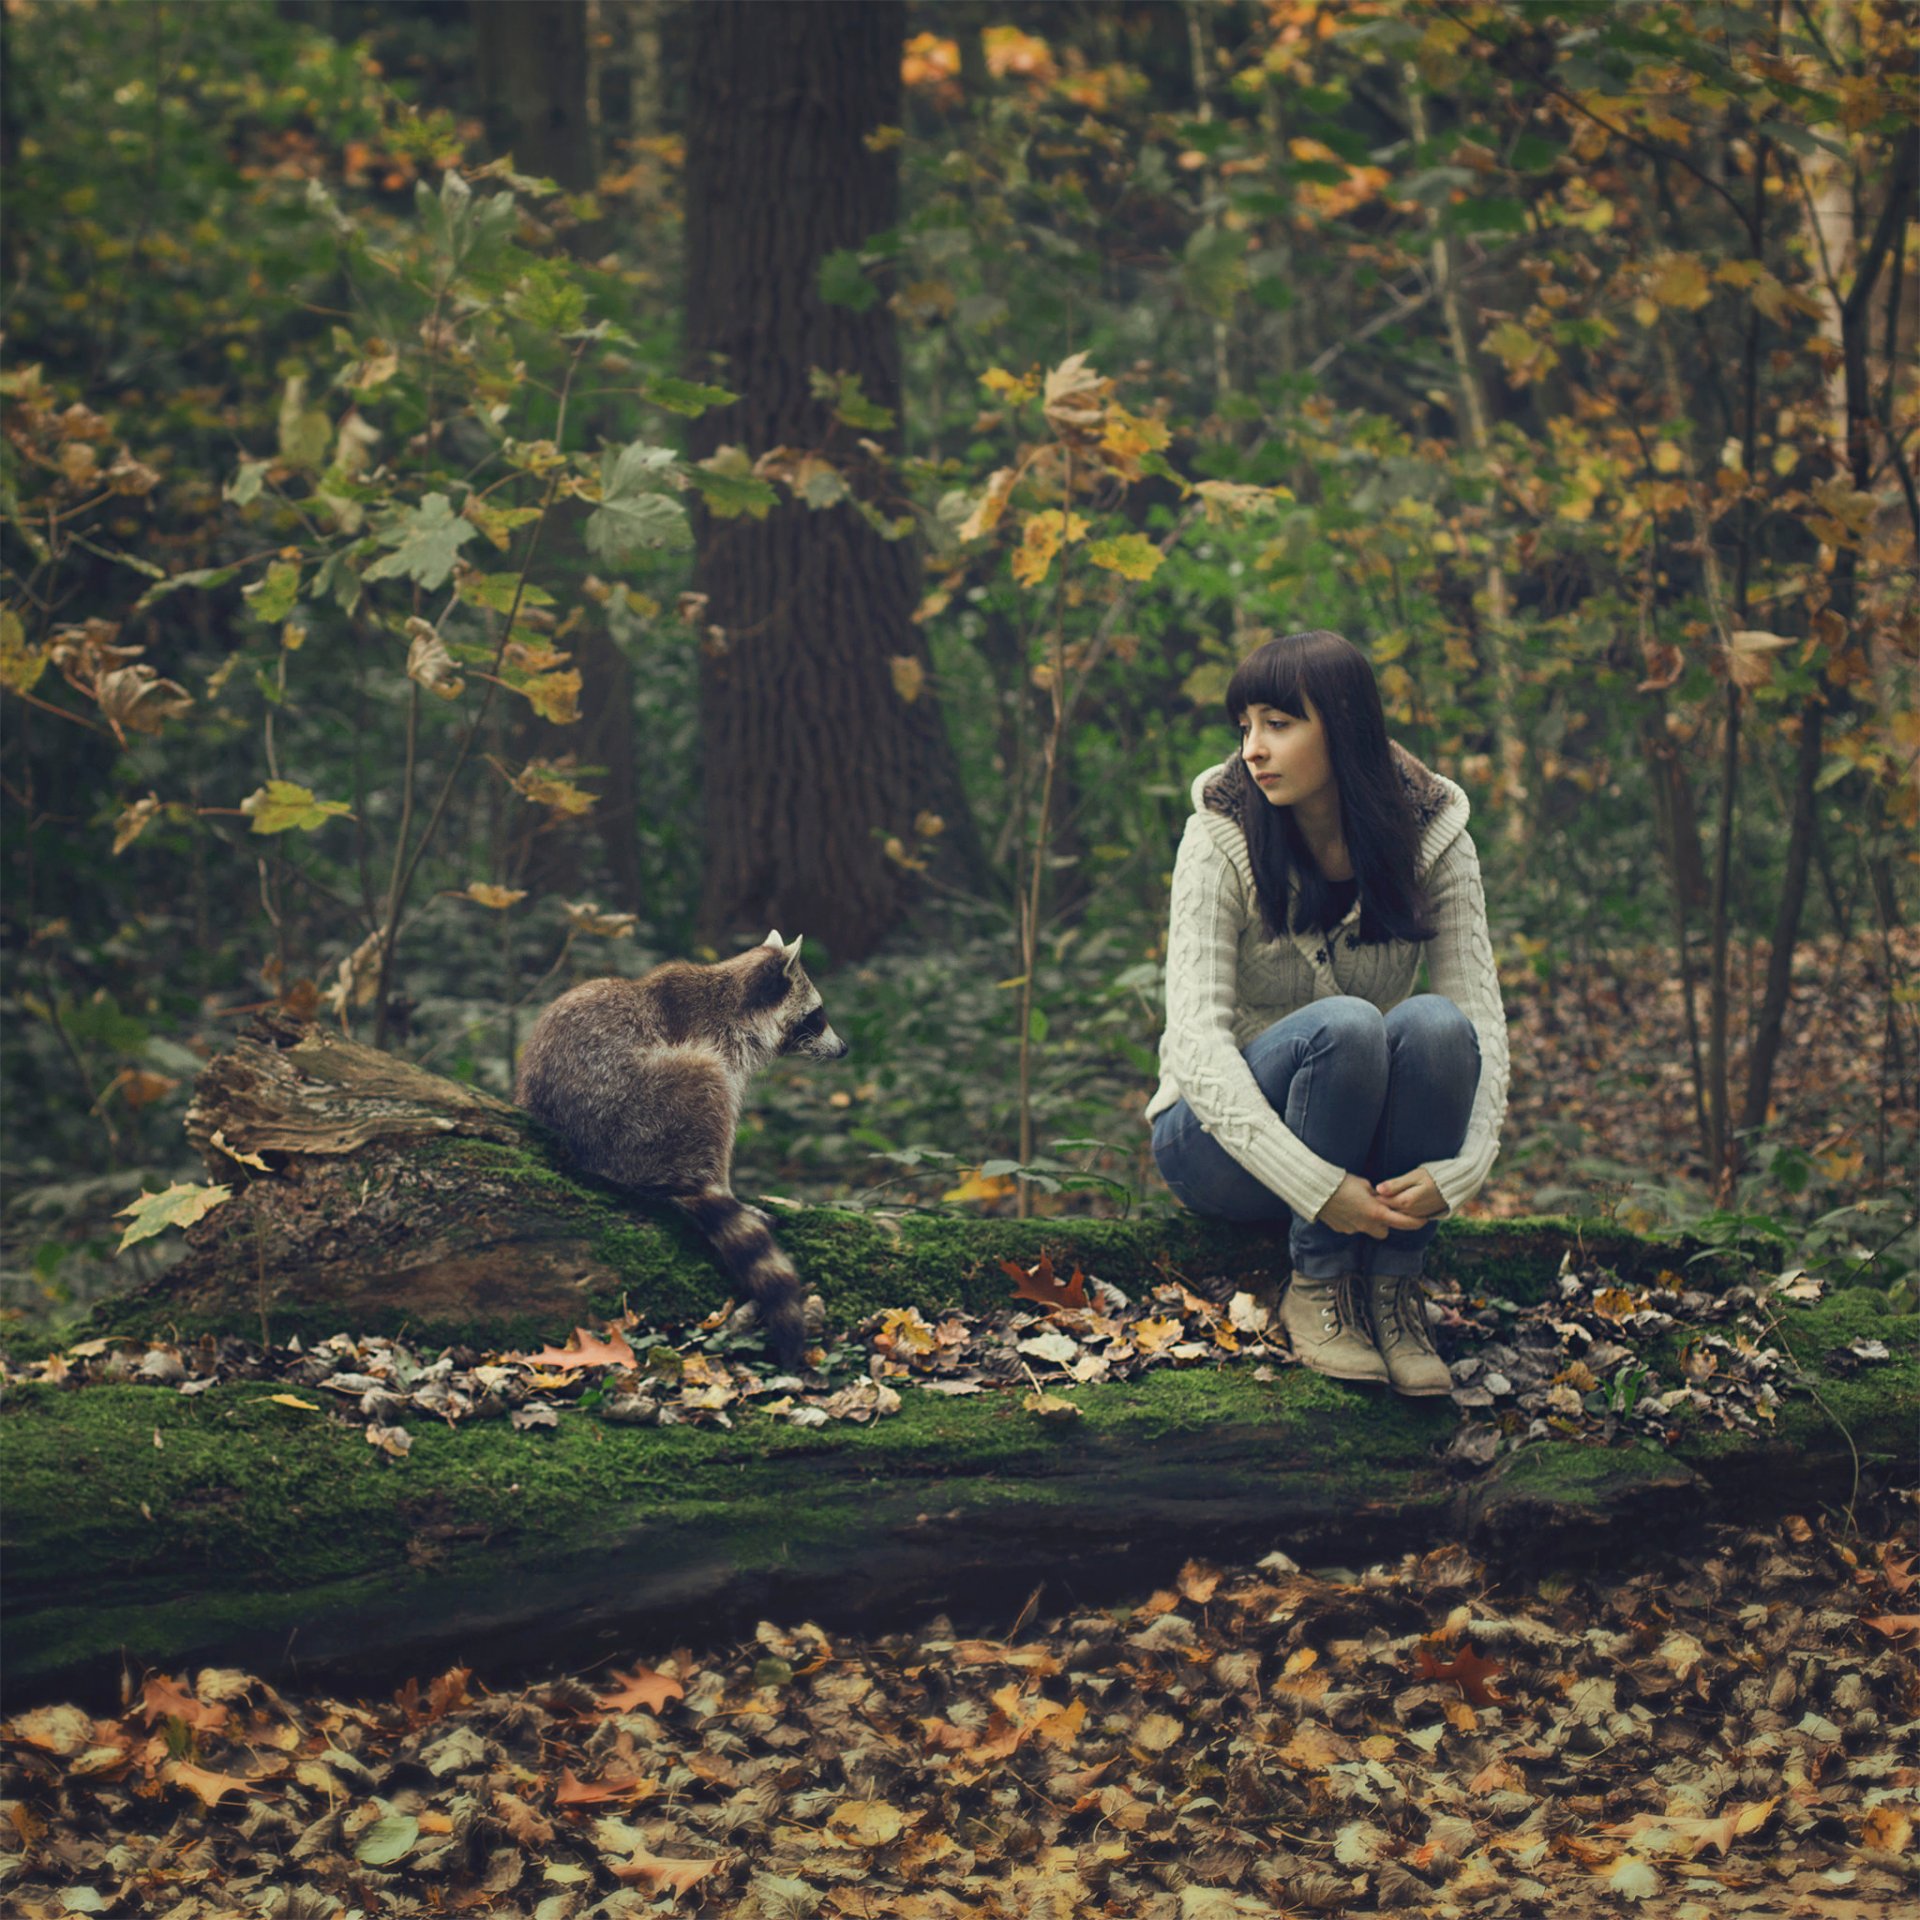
(585, 1350)
(161, 1698)
(1679, 1833)
(1042, 1285)
(1471, 1673)
(524, 1825)
(643, 1687)
(1198, 1581)
(208, 1788)
(62, 1731)
(575, 1792)
(652, 1872)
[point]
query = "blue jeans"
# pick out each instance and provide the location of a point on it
(1378, 1094)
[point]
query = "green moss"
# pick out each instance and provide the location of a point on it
(1571, 1473)
(1876, 1406)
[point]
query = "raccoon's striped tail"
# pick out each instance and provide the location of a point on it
(758, 1267)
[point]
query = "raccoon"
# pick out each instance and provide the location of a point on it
(644, 1080)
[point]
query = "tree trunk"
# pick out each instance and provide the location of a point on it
(822, 738)
(533, 71)
(532, 61)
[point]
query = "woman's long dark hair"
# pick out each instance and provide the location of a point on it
(1376, 811)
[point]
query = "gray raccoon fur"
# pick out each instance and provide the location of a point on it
(644, 1080)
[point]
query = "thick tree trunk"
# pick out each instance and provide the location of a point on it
(822, 740)
(532, 60)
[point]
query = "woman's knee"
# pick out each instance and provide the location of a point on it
(1350, 1022)
(1436, 1026)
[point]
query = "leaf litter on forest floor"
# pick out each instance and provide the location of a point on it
(1720, 1732)
(1572, 1367)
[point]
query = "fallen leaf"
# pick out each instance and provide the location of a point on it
(869, 1823)
(1681, 1833)
(1198, 1581)
(641, 1688)
(1468, 1671)
(575, 1792)
(584, 1350)
(1042, 1285)
(56, 1730)
(161, 1699)
(653, 1872)
(208, 1788)
(1887, 1828)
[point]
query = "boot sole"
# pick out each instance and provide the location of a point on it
(1420, 1393)
(1334, 1373)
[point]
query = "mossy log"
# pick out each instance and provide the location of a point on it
(229, 1527)
(372, 1197)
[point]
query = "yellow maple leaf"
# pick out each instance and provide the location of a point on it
(979, 1187)
(1679, 280)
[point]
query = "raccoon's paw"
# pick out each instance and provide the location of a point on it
(813, 1317)
(743, 1319)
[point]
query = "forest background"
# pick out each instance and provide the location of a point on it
(498, 496)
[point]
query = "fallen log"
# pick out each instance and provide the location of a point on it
(232, 1526)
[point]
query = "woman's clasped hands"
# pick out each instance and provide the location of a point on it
(1406, 1201)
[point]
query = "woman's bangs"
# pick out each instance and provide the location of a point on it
(1268, 677)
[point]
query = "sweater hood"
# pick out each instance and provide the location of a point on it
(1440, 807)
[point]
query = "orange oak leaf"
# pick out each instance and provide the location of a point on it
(1894, 1625)
(1043, 1286)
(160, 1698)
(209, 1788)
(641, 1688)
(653, 1872)
(1473, 1675)
(575, 1792)
(585, 1350)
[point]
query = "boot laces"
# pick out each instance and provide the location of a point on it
(1341, 1312)
(1409, 1314)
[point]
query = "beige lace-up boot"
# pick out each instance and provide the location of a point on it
(1327, 1328)
(1398, 1309)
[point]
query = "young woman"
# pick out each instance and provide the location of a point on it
(1302, 1079)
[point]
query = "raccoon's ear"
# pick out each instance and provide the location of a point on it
(773, 940)
(793, 955)
(766, 978)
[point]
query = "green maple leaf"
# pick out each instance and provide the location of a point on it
(730, 487)
(635, 515)
(179, 1206)
(1131, 555)
(281, 805)
(687, 396)
(425, 544)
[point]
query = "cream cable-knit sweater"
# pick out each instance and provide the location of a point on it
(1227, 982)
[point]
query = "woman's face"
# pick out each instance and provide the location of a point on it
(1285, 754)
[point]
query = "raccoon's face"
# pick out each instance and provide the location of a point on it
(796, 1014)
